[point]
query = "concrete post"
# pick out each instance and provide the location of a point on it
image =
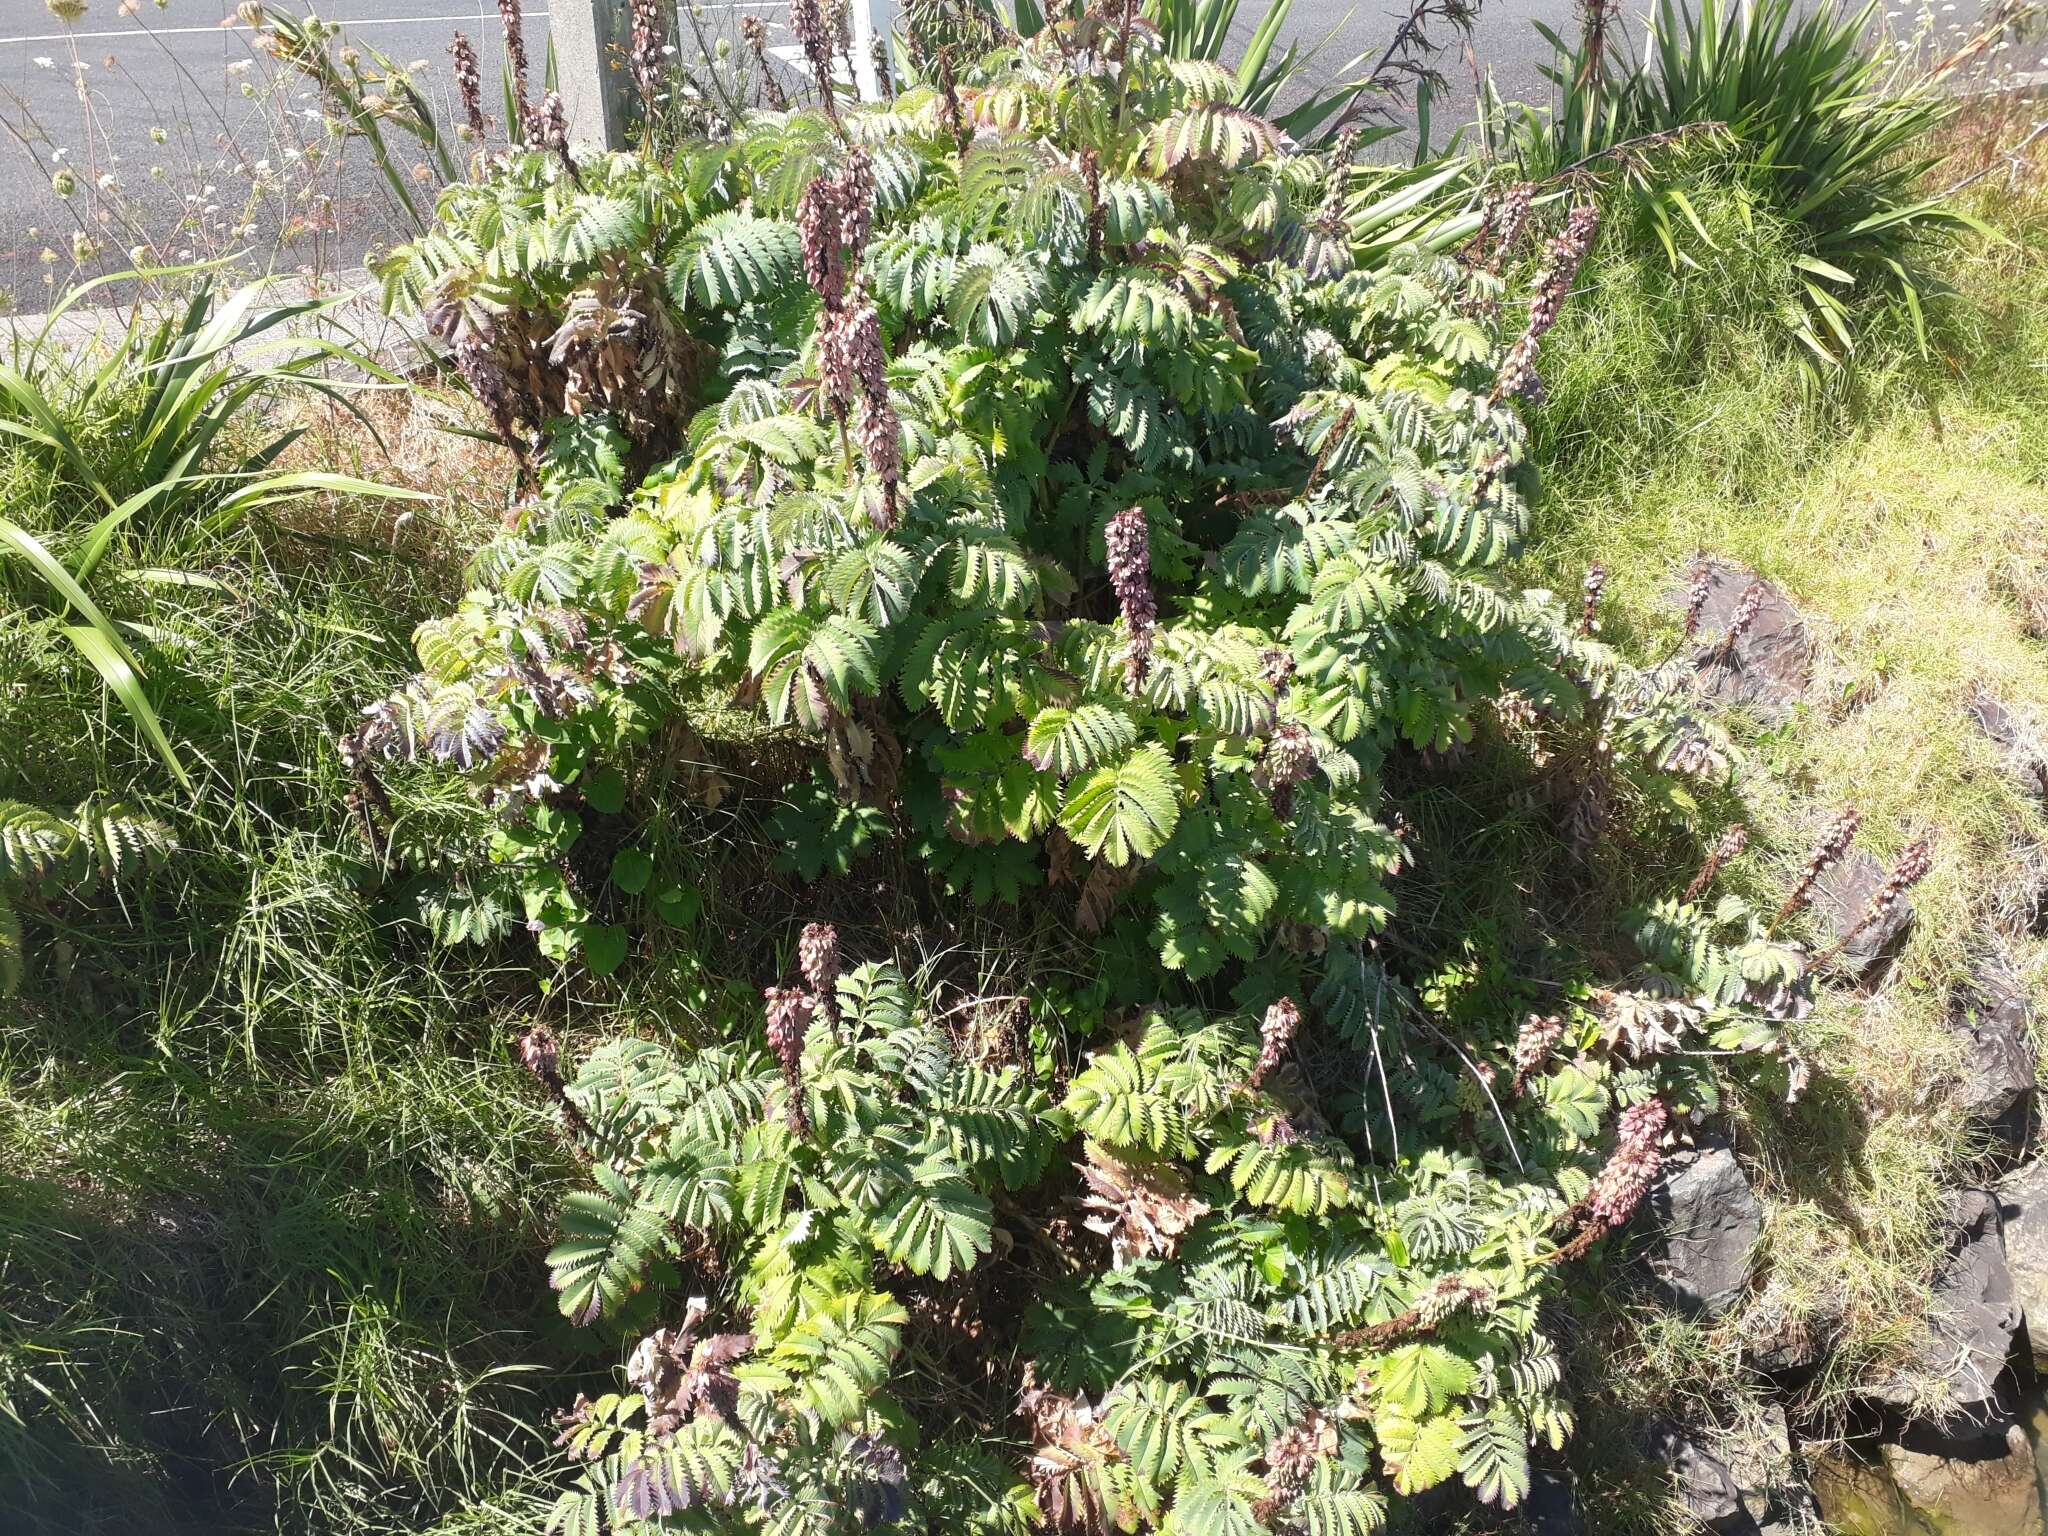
(591, 39)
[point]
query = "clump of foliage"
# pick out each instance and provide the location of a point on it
(1789, 109)
(1043, 449)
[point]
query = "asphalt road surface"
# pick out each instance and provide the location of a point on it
(176, 133)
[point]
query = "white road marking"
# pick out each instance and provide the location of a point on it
(139, 33)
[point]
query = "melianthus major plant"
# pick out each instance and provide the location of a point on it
(923, 384)
(1108, 497)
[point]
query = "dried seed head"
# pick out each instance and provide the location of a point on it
(1292, 1455)
(1630, 1170)
(1534, 1042)
(1290, 754)
(950, 115)
(1276, 1033)
(1449, 1294)
(878, 61)
(486, 379)
(1128, 544)
(469, 84)
(754, 33)
(1289, 758)
(817, 955)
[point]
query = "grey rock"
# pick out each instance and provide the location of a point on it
(1973, 1318)
(1996, 1085)
(1705, 1485)
(1770, 1478)
(1785, 1349)
(1991, 1489)
(2019, 745)
(1552, 1508)
(1769, 666)
(1842, 896)
(1708, 1223)
(2023, 1205)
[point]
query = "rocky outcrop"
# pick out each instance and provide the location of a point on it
(1841, 898)
(1708, 1222)
(1973, 1319)
(2023, 1209)
(1995, 1086)
(1768, 665)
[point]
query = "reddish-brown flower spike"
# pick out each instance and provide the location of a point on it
(1276, 1033)
(1553, 287)
(1746, 612)
(1589, 598)
(1701, 588)
(515, 52)
(1534, 1042)
(790, 1010)
(807, 21)
(650, 36)
(469, 85)
(541, 1055)
(1912, 868)
(1128, 544)
(554, 128)
(1289, 758)
(754, 32)
(817, 956)
(1633, 1166)
(1733, 841)
(1834, 842)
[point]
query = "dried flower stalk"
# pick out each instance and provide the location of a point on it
(1696, 597)
(754, 33)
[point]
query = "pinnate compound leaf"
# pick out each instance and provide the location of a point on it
(1125, 810)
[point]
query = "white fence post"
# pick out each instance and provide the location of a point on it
(872, 19)
(590, 37)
